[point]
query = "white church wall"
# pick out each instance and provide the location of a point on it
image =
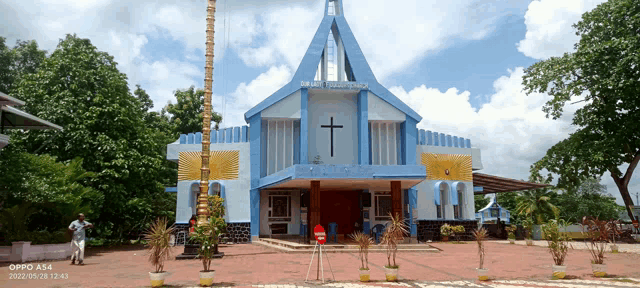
(342, 107)
(384, 142)
(280, 133)
(289, 107)
(236, 191)
(379, 109)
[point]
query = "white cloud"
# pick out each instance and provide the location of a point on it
(510, 129)
(166, 76)
(392, 36)
(248, 95)
(549, 31)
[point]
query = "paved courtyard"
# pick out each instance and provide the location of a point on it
(250, 265)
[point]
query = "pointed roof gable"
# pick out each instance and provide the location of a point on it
(309, 65)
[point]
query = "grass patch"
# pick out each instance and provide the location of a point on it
(625, 281)
(455, 242)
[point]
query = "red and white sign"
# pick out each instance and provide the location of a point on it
(635, 223)
(321, 236)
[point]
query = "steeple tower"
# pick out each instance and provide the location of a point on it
(333, 8)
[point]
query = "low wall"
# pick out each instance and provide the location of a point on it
(25, 252)
(430, 229)
(574, 231)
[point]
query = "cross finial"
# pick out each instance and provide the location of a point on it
(333, 7)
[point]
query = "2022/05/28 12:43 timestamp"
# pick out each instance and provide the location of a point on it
(38, 276)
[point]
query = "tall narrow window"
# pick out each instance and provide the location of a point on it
(443, 200)
(195, 191)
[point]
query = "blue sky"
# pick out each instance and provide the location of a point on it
(457, 63)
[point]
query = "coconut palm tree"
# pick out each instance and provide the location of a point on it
(536, 204)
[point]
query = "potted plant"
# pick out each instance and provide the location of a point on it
(558, 246)
(206, 235)
(615, 232)
(480, 235)
(363, 241)
(457, 231)
(158, 237)
(394, 233)
(528, 230)
(446, 231)
(511, 229)
(598, 233)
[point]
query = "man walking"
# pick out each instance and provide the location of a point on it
(77, 242)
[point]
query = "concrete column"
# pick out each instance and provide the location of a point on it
(314, 207)
(396, 198)
(20, 251)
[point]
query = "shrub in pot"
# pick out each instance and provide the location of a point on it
(528, 230)
(159, 248)
(207, 236)
(615, 233)
(457, 231)
(363, 241)
(393, 234)
(446, 230)
(480, 236)
(511, 229)
(598, 234)
(558, 246)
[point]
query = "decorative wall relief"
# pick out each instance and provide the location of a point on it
(223, 165)
(447, 166)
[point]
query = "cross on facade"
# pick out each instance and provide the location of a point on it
(331, 127)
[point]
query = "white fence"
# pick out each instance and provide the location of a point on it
(25, 252)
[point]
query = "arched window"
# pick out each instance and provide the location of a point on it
(216, 188)
(458, 200)
(195, 191)
(441, 193)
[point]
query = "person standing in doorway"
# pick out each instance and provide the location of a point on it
(78, 228)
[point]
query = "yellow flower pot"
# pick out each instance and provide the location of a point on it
(599, 270)
(391, 274)
(365, 275)
(483, 274)
(559, 271)
(206, 278)
(157, 279)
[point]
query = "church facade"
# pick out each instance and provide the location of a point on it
(331, 146)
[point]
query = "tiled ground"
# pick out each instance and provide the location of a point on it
(247, 265)
(622, 247)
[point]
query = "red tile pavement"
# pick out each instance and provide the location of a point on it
(255, 264)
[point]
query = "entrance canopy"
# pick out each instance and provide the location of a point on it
(493, 184)
(14, 118)
(345, 177)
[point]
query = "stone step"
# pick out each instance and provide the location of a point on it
(290, 247)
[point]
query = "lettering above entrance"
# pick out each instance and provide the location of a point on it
(334, 85)
(223, 165)
(447, 166)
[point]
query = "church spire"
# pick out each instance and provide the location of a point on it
(333, 7)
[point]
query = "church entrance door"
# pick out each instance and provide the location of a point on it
(342, 207)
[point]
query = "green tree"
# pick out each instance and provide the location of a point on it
(537, 203)
(590, 199)
(604, 70)
(24, 58)
(186, 114)
(81, 89)
(480, 201)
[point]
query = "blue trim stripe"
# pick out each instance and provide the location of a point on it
(436, 193)
(436, 139)
(455, 141)
(227, 135)
(429, 135)
(183, 139)
(449, 142)
(191, 138)
(304, 123)
(443, 140)
(198, 139)
(244, 134)
(171, 189)
(214, 136)
(478, 189)
(461, 142)
(236, 134)
(468, 143)
(423, 137)
(454, 192)
(221, 136)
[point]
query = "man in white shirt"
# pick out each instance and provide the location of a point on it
(78, 228)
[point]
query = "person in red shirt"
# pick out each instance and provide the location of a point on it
(192, 224)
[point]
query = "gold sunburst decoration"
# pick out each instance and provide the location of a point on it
(223, 165)
(447, 166)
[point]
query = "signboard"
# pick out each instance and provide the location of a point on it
(321, 236)
(635, 224)
(334, 85)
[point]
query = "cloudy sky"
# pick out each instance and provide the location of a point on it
(457, 63)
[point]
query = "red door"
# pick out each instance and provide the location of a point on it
(342, 207)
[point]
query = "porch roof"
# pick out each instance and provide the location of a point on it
(346, 177)
(494, 184)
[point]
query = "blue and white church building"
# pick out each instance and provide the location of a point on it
(331, 146)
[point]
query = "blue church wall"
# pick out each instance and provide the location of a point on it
(342, 107)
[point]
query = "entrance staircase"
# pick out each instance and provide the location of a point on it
(293, 247)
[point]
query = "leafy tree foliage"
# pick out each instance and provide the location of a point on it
(186, 114)
(480, 201)
(81, 89)
(24, 58)
(42, 196)
(590, 199)
(604, 70)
